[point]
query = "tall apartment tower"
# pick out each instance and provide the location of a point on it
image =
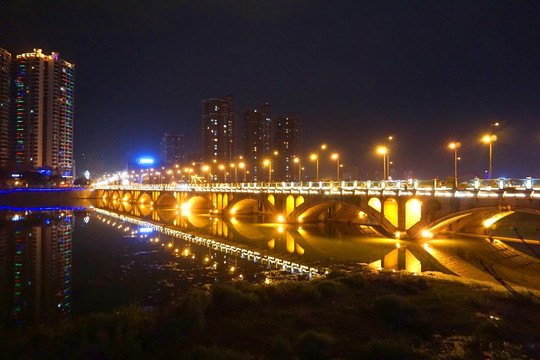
(257, 140)
(43, 112)
(219, 130)
(287, 134)
(172, 149)
(5, 106)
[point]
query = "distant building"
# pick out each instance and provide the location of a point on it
(43, 112)
(5, 105)
(219, 131)
(287, 134)
(172, 149)
(257, 140)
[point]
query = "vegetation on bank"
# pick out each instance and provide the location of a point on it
(345, 316)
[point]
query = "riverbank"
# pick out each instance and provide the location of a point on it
(23, 198)
(368, 315)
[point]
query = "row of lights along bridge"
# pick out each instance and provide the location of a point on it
(215, 172)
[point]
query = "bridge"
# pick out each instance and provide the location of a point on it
(407, 209)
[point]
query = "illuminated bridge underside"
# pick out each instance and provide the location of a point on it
(409, 213)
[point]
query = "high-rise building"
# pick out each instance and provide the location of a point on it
(287, 133)
(257, 140)
(43, 112)
(5, 66)
(219, 130)
(172, 149)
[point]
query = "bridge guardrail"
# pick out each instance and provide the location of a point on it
(347, 187)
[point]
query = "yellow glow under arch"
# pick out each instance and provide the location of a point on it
(413, 212)
(289, 207)
(375, 203)
(391, 211)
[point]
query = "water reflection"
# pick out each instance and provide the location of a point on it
(325, 244)
(35, 266)
(314, 245)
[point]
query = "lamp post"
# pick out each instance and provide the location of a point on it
(297, 160)
(383, 151)
(316, 158)
(233, 165)
(490, 139)
(268, 163)
(243, 166)
(455, 146)
(222, 168)
(335, 156)
(206, 169)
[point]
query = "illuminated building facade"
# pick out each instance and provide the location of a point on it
(43, 112)
(5, 66)
(287, 134)
(219, 130)
(257, 140)
(172, 149)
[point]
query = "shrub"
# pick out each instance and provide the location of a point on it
(387, 349)
(397, 312)
(279, 349)
(313, 345)
(214, 353)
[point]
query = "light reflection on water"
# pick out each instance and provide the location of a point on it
(62, 262)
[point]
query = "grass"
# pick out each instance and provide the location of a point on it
(346, 316)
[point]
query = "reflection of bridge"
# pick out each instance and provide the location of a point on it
(398, 207)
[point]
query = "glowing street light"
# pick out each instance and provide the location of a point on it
(233, 165)
(243, 166)
(455, 146)
(268, 163)
(297, 161)
(315, 157)
(383, 150)
(490, 139)
(335, 156)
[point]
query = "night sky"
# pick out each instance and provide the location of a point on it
(426, 72)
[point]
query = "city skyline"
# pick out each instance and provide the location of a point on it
(428, 74)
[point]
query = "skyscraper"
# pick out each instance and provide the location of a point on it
(172, 149)
(257, 140)
(287, 133)
(5, 60)
(43, 112)
(219, 130)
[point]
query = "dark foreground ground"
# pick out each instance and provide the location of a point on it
(344, 316)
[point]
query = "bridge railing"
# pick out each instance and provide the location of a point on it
(424, 186)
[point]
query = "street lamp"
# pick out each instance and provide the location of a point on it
(490, 139)
(243, 166)
(268, 163)
(222, 168)
(455, 146)
(297, 160)
(233, 165)
(335, 156)
(383, 151)
(315, 157)
(206, 169)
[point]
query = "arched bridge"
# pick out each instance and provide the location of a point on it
(400, 208)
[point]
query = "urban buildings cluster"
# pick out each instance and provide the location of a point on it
(36, 113)
(265, 150)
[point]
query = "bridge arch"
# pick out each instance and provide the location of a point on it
(197, 204)
(470, 218)
(391, 210)
(166, 199)
(289, 205)
(144, 198)
(375, 203)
